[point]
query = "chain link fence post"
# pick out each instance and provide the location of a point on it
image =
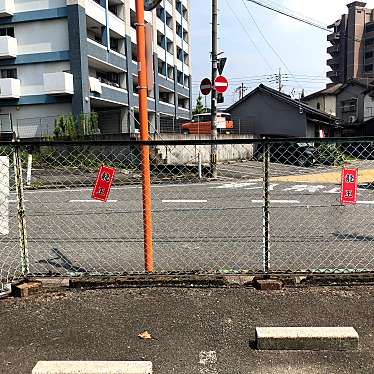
(21, 209)
(266, 207)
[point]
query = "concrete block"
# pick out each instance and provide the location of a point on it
(307, 338)
(56, 282)
(93, 367)
(26, 289)
(239, 280)
(268, 284)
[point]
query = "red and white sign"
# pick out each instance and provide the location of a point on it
(221, 84)
(348, 189)
(103, 183)
(206, 86)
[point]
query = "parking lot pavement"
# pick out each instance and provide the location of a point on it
(194, 330)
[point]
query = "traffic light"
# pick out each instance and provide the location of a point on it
(220, 98)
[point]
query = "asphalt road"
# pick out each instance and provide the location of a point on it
(212, 226)
(196, 331)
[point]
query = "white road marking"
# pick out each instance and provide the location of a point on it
(92, 201)
(237, 184)
(365, 202)
(271, 187)
(55, 190)
(277, 201)
(184, 201)
(335, 190)
(305, 187)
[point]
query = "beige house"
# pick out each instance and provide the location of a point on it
(324, 100)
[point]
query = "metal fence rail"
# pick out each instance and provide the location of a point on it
(275, 207)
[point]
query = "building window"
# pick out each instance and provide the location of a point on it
(369, 27)
(369, 41)
(319, 106)
(109, 78)
(161, 67)
(132, 19)
(368, 68)
(9, 31)
(8, 73)
(349, 105)
(114, 45)
(369, 54)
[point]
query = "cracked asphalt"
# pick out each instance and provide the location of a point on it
(195, 330)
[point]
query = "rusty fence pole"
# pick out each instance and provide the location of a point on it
(21, 209)
(143, 114)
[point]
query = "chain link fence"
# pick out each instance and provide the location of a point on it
(275, 207)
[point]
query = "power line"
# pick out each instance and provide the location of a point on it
(301, 19)
(267, 41)
(290, 15)
(249, 36)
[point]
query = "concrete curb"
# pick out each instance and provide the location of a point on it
(202, 280)
(93, 367)
(307, 338)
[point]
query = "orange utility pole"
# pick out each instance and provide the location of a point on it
(143, 113)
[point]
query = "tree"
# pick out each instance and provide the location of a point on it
(199, 108)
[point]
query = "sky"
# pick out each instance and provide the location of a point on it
(299, 50)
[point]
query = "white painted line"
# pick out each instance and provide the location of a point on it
(75, 367)
(184, 201)
(92, 201)
(83, 189)
(277, 201)
(365, 202)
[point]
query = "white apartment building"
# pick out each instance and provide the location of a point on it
(79, 56)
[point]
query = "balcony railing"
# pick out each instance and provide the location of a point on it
(59, 83)
(333, 62)
(6, 8)
(95, 85)
(334, 37)
(10, 88)
(334, 49)
(8, 47)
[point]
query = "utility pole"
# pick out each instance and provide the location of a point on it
(213, 152)
(144, 136)
(280, 85)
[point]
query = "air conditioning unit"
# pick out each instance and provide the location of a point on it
(352, 119)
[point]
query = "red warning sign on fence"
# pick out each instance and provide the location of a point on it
(103, 183)
(348, 189)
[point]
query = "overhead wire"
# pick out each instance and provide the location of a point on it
(249, 36)
(268, 42)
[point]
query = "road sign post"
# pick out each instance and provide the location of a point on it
(206, 86)
(349, 183)
(221, 84)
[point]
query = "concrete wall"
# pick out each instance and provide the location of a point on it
(42, 36)
(188, 154)
(31, 5)
(350, 93)
(327, 103)
(31, 76)
(36, 120)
